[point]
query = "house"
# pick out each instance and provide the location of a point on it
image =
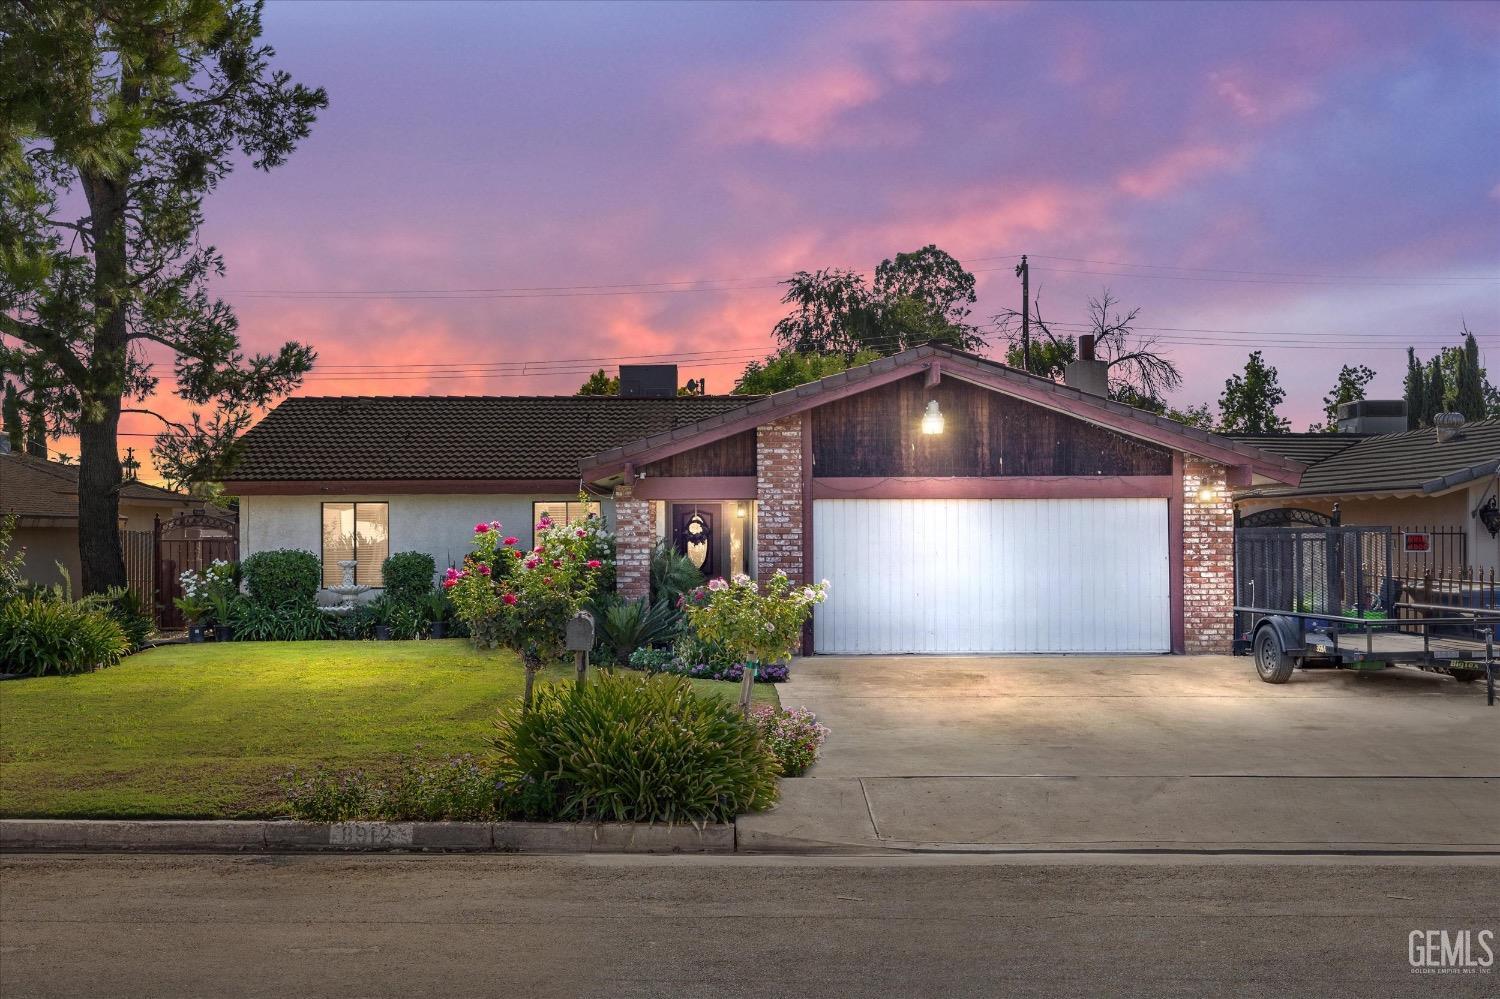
(955, 504)
(1440, 484)
(43, 496)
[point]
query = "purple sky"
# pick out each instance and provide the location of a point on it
(1325, 176)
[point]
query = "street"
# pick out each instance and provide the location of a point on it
(936, 925)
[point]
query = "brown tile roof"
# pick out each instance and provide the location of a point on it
(1307, 448)
(309, 438)
(33, 487)
(1406, 462)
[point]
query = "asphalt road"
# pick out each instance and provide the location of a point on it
(155, 926)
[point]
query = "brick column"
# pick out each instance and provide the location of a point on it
(778, 490)
(635, 536)
(1207, 559)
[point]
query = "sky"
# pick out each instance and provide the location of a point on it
(497, 184)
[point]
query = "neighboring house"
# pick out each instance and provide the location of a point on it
(43, 496)
(1442, 482)
(955, 504)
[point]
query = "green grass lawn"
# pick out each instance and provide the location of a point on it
(205, 731)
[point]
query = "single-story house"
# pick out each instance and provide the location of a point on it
(43, 496)
(955, 504)
(1438, 484)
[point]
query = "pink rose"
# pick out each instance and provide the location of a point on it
(484, 570)
(481, 528)
(532, 563)
(547, 580)
(509, 599)
(594, 563)
(512, 540)
(449, 584)
(557, 563)
(581, 533)
(516, 553)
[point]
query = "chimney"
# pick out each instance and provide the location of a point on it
(1087, 374)
(1448, 426)
(1372, 416)
(648, 381)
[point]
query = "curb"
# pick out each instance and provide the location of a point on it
(223, 836)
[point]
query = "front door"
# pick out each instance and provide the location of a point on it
(693, 536)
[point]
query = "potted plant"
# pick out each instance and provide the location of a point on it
(208, 594)
(194, 606)
(381, 615)
(438, 610)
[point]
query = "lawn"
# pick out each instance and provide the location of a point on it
(205, 731)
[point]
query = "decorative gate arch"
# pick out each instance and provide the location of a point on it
(1287, 516)
(188, 541)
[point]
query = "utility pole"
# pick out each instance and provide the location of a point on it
(1024, 273)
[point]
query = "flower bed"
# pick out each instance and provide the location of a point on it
(670, 661)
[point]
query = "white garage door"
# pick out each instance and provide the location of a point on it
(955, 576)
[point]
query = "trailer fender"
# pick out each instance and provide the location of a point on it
(1286, 629)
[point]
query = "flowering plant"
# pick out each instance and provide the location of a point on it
(793, 735)
(753, 625)
(208, 592)
(523, 599)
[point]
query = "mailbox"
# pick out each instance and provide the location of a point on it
(580, 637)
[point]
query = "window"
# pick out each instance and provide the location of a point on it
(358, 531)
(563, 513)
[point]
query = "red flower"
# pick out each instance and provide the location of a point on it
(557, 563)
(509, 598)
(581, 533)
(481, 528)
(547, 580)
(516, 552)
(512, 540)
(594, 563)
(484, 570)
(449, 584)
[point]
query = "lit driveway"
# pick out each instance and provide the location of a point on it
(1139, 752)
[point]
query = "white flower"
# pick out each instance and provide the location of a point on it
(825, 584)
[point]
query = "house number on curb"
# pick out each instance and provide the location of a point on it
(370, 834)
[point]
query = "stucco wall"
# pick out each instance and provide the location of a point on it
(441, 526)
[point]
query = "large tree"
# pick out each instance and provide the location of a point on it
(1469, 381)
(118, 119)
(1415, 390)
(1349, 387)
(1248, 404)
(790, 369)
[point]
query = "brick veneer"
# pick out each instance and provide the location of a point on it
(1207, 559)
(635, 536)
(778, 486)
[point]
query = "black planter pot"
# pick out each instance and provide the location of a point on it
(438, 630)
(195, 633)
(382, 633)
(223, 633)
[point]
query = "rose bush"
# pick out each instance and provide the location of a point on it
(755, 626)
(792, 734)
(522, 600)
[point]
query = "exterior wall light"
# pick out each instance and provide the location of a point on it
(932, 420)
(739, 510)
(1207, 494)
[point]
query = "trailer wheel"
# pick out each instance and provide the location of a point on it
(1466, 675)
(1271, 660)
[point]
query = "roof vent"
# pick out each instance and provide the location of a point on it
(1448, 426)
(648, 381)
(1372, 416)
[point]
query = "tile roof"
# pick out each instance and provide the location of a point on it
(1066, 398)
(1406, 462)
(454, 437)
(1306, 448)
(34, 487)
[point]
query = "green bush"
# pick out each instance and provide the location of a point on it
(458, 790)
(672, 574)
(258, 622)
(627, 625)
(133, 621)
(630, 748)
(408, 576)
(41, 634)
(282, 576)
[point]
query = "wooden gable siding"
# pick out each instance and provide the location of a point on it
(878, 433)
(730, 456)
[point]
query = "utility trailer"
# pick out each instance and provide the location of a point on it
(1309, 597)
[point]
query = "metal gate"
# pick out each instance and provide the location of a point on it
(188, 541)
(1338, 571)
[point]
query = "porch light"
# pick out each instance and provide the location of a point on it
(739, 510)
(932, 420)
(1207, 494)
(1489, 516)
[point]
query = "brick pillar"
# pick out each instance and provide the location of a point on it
(1207, 559)
(778, 490)
(635, 536)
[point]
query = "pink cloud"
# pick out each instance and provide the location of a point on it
(1260, 100)
(800, 111)
(1177, 169)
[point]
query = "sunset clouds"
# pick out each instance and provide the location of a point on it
(516, 159)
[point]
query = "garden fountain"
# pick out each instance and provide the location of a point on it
(348, 591)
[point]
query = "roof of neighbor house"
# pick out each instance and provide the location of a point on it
(1414, 461)
(35, 487)
(1309, 448)
(981, 370)
(320, 438)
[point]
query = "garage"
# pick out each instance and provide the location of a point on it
(955, 576)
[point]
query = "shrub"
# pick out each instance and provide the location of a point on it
(404, 619)
(42, 634)
(628, 625)
(133, 621)
(258, 622)
(672, 574)
(638, 749)
(762, 626)
(462, 789)
(794, 735)
(282, 576)
(408, 576)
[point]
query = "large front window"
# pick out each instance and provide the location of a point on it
(563, 513)
(358, 531)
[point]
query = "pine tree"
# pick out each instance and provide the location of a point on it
(1416, 390)
(1437, 389)
(1469, 392)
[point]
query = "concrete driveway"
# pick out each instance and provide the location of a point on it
(1166, 752)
